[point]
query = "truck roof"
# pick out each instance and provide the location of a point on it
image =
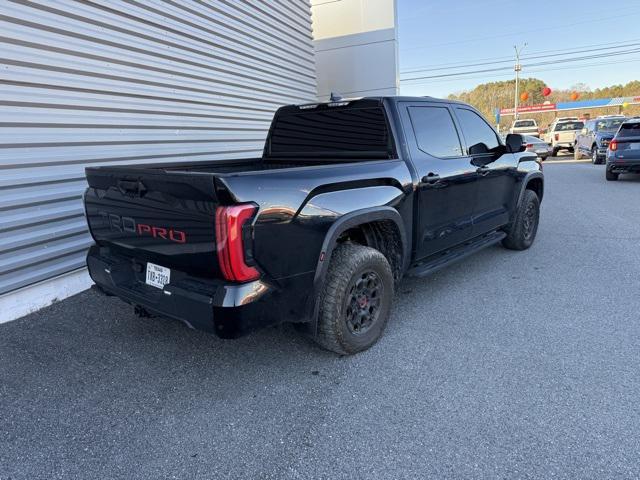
(370, 101)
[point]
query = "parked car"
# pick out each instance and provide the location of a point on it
(562, 135)
(538, 146)
(526, 126)
(593, 140)
(347, 198)
(623, 155)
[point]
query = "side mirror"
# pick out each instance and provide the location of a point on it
(515, 143)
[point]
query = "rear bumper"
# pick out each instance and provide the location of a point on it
(229, 311)
(623, 166)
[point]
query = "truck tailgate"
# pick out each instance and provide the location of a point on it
(158, 216)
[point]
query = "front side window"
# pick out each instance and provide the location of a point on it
(435, 131)
(480, 137)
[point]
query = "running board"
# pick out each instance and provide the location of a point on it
(441, 260)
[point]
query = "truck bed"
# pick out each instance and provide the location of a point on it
(245, 165)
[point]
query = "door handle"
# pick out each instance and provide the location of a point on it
(431, 178)
(483, 170)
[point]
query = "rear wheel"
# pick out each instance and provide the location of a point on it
(611, 176)
(356, 300)
(554, 152)
(525, 226)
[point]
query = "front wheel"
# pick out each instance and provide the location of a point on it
(356, 300)
(594, 156)
(525, 226)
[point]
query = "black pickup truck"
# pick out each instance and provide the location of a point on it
(347, 198)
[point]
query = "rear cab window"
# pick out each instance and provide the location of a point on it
(564, 126)
(524, 123)
(323, 130)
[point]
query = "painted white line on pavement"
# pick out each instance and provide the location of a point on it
(549, 162)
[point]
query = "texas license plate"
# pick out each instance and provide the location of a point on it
(157, 276)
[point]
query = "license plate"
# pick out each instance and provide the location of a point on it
(157, 276)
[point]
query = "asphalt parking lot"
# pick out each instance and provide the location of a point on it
(508, 365)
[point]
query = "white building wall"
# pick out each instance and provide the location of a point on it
(356, 47)
(111, 82)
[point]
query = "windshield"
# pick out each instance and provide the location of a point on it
(612, 124)
(561, 127)
(524, 123)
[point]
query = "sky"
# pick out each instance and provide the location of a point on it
(440, 38)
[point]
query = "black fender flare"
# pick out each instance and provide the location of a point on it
(345, 222)
(525, 181)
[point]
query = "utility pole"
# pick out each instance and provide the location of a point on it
(518, 69)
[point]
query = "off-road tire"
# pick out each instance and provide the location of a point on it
(612, 177)
(351, 263)
(522, 232)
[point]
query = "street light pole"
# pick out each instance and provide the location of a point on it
(518, 69)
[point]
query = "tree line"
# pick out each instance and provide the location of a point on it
(487, 96)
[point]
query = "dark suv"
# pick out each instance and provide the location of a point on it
(593, 140)
(623, 155)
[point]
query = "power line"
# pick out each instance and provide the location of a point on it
(540, 70)
(463, 62)
(530, 57)
(551, 62)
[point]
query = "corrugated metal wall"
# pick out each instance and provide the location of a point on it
(104, 82)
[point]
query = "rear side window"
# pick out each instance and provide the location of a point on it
(435, 131)
(629, 130)
(342, 132)
(480, 137)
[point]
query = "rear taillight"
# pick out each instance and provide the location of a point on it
(613, 145)
(529, 145)
(557, 137)
(230, 242)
